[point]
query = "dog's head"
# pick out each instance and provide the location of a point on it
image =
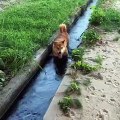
(59, 48)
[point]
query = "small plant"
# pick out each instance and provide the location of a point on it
(98, 16)
(84, 67)
(67, 103)
(77, 54)
(73, 88)
(99, 59)
(90, 37)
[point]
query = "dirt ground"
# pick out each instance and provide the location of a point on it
(101, 100)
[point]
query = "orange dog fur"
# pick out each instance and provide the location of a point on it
(60, 44)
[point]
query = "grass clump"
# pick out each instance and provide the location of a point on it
(90, 37)
(84, 67)
(77, 54)
(67, 103)
(27, 27)
(107, 18)
(112, 20)
(73, 88)
(98, 16)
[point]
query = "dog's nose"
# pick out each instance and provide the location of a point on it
(59, 52)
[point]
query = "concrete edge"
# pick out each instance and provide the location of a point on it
(53, 112)
(12, 90)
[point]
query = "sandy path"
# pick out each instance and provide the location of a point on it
(101, 100)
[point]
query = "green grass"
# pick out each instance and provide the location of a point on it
(74, 87)
(67, 103)
(112, 20)
(77, 54)
(90, 37)
(27, 27)
(84, 67)
(107, 18)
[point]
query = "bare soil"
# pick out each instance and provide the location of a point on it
(101, 100)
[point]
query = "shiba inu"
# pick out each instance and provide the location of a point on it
(60, 44)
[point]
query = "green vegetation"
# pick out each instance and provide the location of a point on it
(90, 37)
(98, 16)
(77, 54)
(68, 103)
(84, 67)
(73, 88)
(107, 18)
(112, 20)
(27, 27)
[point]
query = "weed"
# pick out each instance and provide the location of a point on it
(99, 59)
(67, 103)
(90, 37)
(112, 20)
(84, 67)
(73, 88)
(77, 54)
(98, 16)
(107, 18)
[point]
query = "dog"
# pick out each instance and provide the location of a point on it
(60, 44)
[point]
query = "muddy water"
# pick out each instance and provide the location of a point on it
(34, 101)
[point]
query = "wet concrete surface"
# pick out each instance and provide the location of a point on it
(34, 101)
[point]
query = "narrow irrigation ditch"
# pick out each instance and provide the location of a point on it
(35, 99)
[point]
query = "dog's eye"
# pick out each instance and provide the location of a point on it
(62, 41)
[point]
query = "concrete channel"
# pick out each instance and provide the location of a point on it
(33, 102)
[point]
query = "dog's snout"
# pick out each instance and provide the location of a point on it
(59, 52)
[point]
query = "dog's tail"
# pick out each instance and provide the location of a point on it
(63, 28)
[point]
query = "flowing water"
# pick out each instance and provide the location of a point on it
(35, 99)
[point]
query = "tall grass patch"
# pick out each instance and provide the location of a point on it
(107, 18)
(27, 27)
